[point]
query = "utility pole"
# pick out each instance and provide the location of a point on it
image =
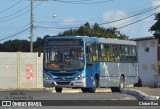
(31, 23)
(31, 26)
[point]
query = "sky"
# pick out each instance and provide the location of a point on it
(132, 17)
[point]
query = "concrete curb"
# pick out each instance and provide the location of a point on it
(140, 94)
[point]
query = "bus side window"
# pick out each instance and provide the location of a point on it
(132, 53)
(95, 52)
(107, 51)
(116, 52)
(88, 54)
(100, 52)
(103, 52)
(125, 53)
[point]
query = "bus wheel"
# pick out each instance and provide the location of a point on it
(58, 89)
(114, 89)
(121, 84)
(95, 85)
(84, 90)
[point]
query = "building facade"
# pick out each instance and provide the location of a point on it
(149, 61)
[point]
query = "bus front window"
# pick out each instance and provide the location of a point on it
(64, 58)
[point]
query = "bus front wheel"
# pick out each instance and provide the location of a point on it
(58, 89)
(95, 85)
(84, 90)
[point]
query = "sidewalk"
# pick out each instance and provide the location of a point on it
(144, 93)
(147, 90)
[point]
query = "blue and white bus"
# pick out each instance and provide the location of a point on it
(89, 62)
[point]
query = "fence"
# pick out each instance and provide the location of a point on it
(20, 70)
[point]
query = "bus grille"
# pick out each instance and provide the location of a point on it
(63, 74)
(63, 83)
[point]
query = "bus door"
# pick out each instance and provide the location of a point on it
(89, 66)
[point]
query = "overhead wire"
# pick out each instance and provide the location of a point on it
(82, 1)
(20, 31)
(10, 36)
(158, 6)
(19, 15)
(11, 6)
(15, 12)
(135, 21)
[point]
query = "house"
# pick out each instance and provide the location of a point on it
(149, 61)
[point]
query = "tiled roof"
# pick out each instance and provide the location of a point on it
(143, 38)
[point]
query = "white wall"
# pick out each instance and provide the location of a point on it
(13, 70)
(147, 61)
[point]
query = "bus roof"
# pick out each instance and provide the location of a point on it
(95, 39)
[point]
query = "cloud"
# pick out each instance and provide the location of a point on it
(115, 15)
(68, 21)
(140, 29)
(156, 3)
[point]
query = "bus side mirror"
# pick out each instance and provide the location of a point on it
(89, 63)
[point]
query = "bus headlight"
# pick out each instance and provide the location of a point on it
(47, 77)
(79, 77)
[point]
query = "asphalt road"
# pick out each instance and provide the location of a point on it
(48, 95)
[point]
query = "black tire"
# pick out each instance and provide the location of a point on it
(95, 85)
(121, 86)
(84, 90)
(58, 89)
(114, 89)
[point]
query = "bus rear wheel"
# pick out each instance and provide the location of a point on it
(95, 85)
(58, 89)
(121, 85)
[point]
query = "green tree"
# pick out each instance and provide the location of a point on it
(156, 27)
(15, 45)
(94, 31)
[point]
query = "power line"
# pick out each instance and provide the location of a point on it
(158, 6)
(114, 20)
(99, 24)
(73, 1)
(15, 12)
(82, 1)
(135, 21)
(63, 28)
(10, 36)
(19, 15)
(11, 6)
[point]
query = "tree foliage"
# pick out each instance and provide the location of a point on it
(156, 27)
(15, 45)
(94, 31)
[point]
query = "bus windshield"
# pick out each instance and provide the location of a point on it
(64, 58)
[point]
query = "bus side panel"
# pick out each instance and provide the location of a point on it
(130, 72)
(109, 74)
(133, 69)
(124, 69)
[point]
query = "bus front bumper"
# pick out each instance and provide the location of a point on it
(73, 83)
